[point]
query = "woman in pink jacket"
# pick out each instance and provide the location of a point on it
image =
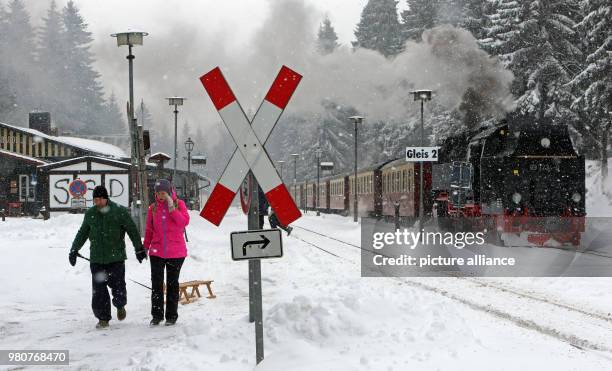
(165, 243)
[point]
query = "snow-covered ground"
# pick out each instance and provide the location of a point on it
(318, 311)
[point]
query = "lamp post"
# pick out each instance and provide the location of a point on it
(295, 157)
(421, 95)
(175, 101)
(318, 154)
(356, 120)
(189, 148)
(132, 38)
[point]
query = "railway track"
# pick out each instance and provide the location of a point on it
(579, 327)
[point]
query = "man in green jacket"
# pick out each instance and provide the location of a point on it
(105, 225)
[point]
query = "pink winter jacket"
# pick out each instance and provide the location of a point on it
(164, 236)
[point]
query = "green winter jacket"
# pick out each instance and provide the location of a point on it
(106, 233)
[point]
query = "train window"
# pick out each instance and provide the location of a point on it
(396, 181)
(384, 183)
(387, 183)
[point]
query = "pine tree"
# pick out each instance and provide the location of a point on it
(593, 85)
(549, 55)
(51, 70)
(474, 17)
(113, 122)
(85, 92)
(327, 39)
(420, 15)
(379, 28)
(536, 41)
(18, 59)
(7, 96)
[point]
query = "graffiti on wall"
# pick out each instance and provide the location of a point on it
(116, 184)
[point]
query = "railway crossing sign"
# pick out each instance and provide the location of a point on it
(251, 157)
(250, 138)
(422, 154)
(256, 244)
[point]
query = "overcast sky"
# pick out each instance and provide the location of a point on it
(189, 37)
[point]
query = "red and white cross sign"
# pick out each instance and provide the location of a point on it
(250, 138)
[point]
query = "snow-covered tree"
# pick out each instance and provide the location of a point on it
(327, 39)
(536, 40)
(85, 99)
(51, 63)
(18, 59)
(593, 85)
(379, 28)
(7, 95)
(474, 17)
(420, 15)
(113, 122)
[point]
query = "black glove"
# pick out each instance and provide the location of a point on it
(141, 255)
(72, 257)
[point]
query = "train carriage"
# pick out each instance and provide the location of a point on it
(400, 185)
(367, 189)
(338, 194)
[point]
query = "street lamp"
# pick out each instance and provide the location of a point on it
(423, 96)
(175, 101)
(295, 158)
(132, 38)
(356, 120)
(189, 148)
(318, 154)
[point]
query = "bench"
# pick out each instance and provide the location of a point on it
(186, 298)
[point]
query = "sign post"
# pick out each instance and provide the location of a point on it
(422, 155)
(251, 157)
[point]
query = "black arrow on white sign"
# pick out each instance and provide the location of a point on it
(265, 241)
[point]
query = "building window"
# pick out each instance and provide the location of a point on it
(27, 192)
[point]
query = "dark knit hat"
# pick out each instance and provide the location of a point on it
(163, 185)
(100, 191)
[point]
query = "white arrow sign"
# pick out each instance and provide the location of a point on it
(256, 244)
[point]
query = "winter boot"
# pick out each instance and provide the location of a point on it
(170, 322)
(121, 313)
(155, 322)
(102, 324)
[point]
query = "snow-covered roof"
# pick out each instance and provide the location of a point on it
(94, 145)
(84, 144)
(23, 157)
(158, 154)
(84, 158)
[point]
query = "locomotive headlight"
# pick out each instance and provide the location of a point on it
(516, 197)
(576, 197)
(545, 142)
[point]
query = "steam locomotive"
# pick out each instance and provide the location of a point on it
(521, 176)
